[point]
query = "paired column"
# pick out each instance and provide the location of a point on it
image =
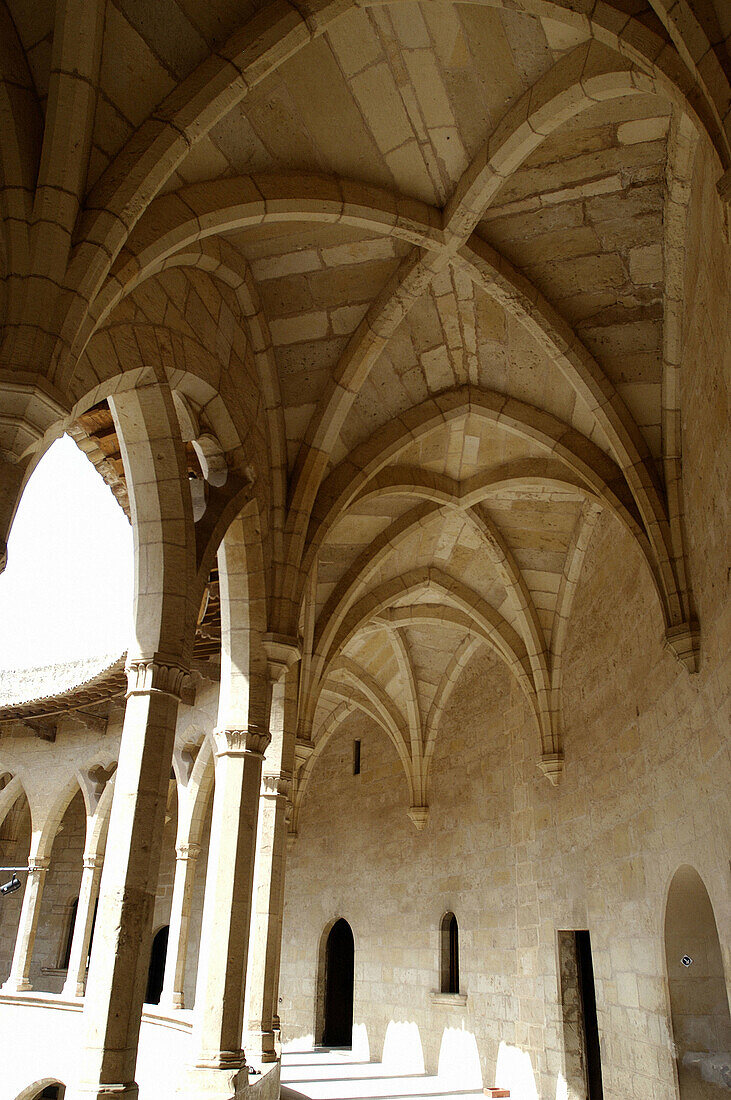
(276, 789)
(186, 860)
(219, 997)
(118, 970)
(88, 894)
(19, 978)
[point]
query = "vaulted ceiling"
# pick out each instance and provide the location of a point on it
(423, 261)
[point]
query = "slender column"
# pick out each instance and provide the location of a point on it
(272, 853)
(19, 977)
(219, 997)
(88, 894)
(118, 968)
(185, 864)
(268, 922)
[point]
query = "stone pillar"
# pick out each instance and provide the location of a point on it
(186, 860)
(219, 997)
(119, 957)
(19, 978)
(88, 894)
(272, 851)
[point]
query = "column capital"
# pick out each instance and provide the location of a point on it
(551, 764)
(241, 742)
(187, 851)
(37, 864)
(91, 863)
(155, 675)
(684, 642)
(276, 784)
(282, 651)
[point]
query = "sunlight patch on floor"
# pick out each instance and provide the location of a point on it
(337, 1075)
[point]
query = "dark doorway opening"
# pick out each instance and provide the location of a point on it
(339, 977)
(156, 973)
(591, 1027)
(582, 1057)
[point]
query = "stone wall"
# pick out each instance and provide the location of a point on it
(645, 789)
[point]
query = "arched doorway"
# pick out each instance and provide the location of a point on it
(339, 977)
(698, 998)
(156, 973)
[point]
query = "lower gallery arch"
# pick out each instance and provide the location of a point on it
(698, 993)
(335, 981)
(156, 971)
(45, 1089)
(15, 836)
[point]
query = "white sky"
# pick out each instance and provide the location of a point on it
(67, 589)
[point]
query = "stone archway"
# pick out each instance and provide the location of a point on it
(698, 997)
(156, 972)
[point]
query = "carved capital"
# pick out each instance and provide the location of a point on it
(91, 863)
(148, 675)
(187, 851)
(419, 815)
(282, 652)
(551, 764)
(724, 187)
(38, 865)
(276, 785)
(684, 642)
(242, 742)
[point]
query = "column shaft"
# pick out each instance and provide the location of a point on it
(282, 655)
(88, 894)
(266, 946)
(219, 997)
(172, 990)
(19, 977)
(120, 952)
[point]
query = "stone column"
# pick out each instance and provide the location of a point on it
(272, 850)
(219, 996)
(88, 894)
(19, 978)
(119, 956)
(186, 860)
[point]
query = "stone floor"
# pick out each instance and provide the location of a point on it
(335, 1075)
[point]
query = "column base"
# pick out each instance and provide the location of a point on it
(263, 1046)
(172, 1004)
(16, 985)
(73, 990)
(213, 1083)
(82, 1091)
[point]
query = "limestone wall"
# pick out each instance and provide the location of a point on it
(645, 789)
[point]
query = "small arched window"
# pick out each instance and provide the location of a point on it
(66, 956)
(450, 954)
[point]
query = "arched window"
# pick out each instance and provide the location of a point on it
(450, 954)
(66, 956)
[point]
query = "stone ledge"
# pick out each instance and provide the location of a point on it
(454, 1000)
